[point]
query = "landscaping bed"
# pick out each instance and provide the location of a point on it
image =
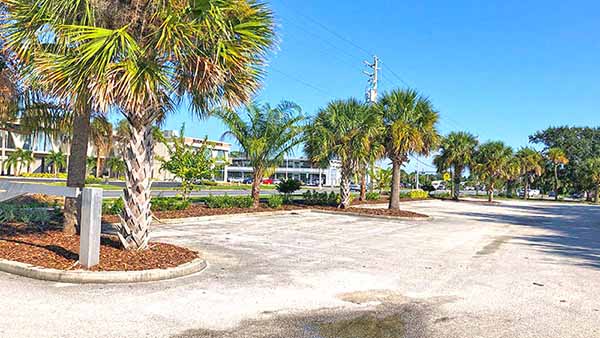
(51, 248)
(372, 212)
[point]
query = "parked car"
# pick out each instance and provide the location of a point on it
(577, 195)
(267, 181)
(531, 193)
(247, 180)
(354, 187)
(235, 180)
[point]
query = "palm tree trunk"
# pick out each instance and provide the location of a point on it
(76, 170)
(363, 184)
(395, 190)
(345, 188)
(256, 181)
(491, 193)
(136, 218)
(526, 190)
(456, 184)
(597, 194)
(555, 182)
(98, 165)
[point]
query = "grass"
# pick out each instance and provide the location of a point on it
(219, 187)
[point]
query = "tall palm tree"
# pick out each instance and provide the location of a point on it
(531, 166)
(558, 158)
(343, 130)
(592, 169)
(410, 128)
(456, 153)
(115, 166)
(265, 136)
(142, 58)
(492, 165)
(101, 136)
(58, 160)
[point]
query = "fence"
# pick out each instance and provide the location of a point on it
(91, 213)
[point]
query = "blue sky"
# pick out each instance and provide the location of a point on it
(498, 69)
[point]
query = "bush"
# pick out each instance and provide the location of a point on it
(93, 180)
(169, 204)
(418, 194)
(44, 175)
(113, 206)
(226, 201)
(288, 186)
(275, 201)
(25, 214)
(209, 183)
(323, 198)
(373, 196)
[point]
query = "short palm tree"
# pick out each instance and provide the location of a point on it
(58, 160)
(531, 163)
(18, 159)
(101, 136)
(381, 178)
(558, 158)
(115, 166)
(142, 58)
(343, 130)
(409, 129)
(592, 169)
(265, 136)
(492, 165)
(456, 153)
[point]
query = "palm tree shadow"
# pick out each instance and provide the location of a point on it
(573, 231)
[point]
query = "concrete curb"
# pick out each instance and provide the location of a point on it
(230, 216)
(101, 277)
(358, 214)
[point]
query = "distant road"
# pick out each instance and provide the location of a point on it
(202, 193)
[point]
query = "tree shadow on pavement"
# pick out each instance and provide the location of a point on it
(570, 231)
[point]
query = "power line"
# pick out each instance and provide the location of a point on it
(299, 80)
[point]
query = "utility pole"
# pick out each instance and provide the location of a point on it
(373, 74)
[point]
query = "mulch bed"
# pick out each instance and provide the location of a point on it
(373, 212)
(54, 249)
(385, 200)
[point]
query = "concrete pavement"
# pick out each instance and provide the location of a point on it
(519, 269)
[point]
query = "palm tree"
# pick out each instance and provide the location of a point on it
(592, 169)
(381, 177)
(456, 153)
(492, 165)
(531, 166)
(265, 137)
(115, 166)
(147, 56)
(410, 128)
(343, 130)
(101, 134)
(19, 158)
(558, 158)
(58, 160)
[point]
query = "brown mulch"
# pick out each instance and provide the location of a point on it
(199, 210)
(385, 200)
(54, 249)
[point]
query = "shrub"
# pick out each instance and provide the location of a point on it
(44, 175)
(323, 198)
(169, 204)
(275, 201)
(25, 214)
(93, 180)
(113, 206)
(373, 196)
(226, 201)
(288, 186)
(418, 194)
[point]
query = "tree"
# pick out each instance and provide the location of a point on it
(530, 162)
(456, 153)
(265, 136)
(410, 128)
(58, 160)
(188, 164)
(492, 164)
(342, 130)
(592, 170)
(19, 158)
(557, 158)
(115, 166)
(101, 136)
(141, 58)
(381, 178)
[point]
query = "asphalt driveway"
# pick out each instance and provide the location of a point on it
(514, 270)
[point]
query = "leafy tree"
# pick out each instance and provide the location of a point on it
(140, 58)
(381, 178)
(342, 130)
(558, 158)
(19, 158)
(58, 160)
(492, 165)
(188, 164)
(456, 153)
(265, 136)
(531, 165)
(409, 128)
(592, 170)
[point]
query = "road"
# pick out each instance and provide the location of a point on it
(202, 193)
(518, 269)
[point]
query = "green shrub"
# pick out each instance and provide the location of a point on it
(373, 196)
(169, 204)
(44, 175)
(209, 183)
(418, 194)
(113, 206)
(94, 180)
(289, 186)
(226, 201)
(25, 214)
(275, 201)
(323, 198)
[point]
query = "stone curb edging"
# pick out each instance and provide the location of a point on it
(101, 277)
(358, 214)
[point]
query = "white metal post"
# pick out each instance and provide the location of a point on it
(91, 213)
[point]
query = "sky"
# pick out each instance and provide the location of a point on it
(498, 69)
